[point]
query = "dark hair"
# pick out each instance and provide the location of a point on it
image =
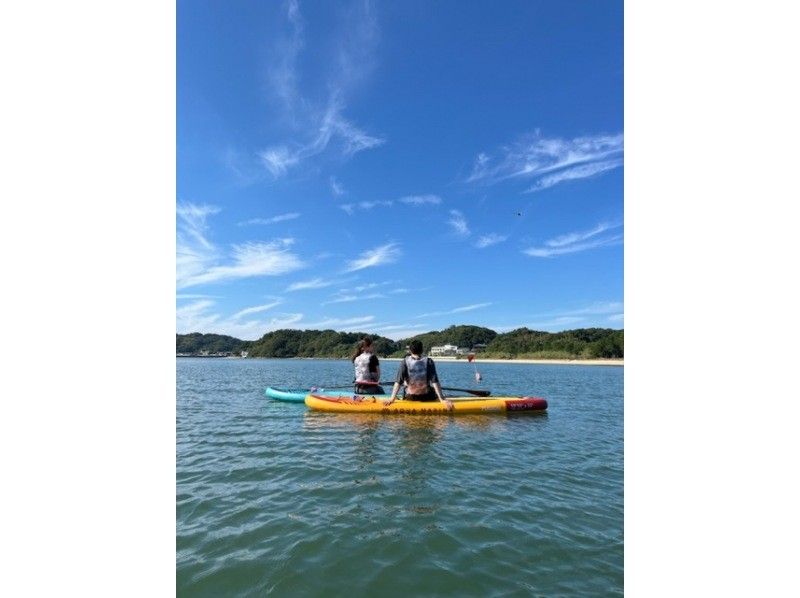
(415, 347)
(362, 344)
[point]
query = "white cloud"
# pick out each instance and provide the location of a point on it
(384, 254)
(562, 320)
(412, 200)
(250, 259)
(194, 252)
(577, 237)
(194, 316)
(371, 285)
(256, 309)
(273, 219)
(348, 298)
(368, 205)
(459, 223)
(489, 240)
(400, 331)
(336, 187)
(338, 322)
(550, 160)
(283, 73)
(180, 296)
(578, 172)
(455, 310)
(199, 317)
(279, 159)
(418, 200)
(597, 308)
(314, 283)
(321, 126)
(577, 242)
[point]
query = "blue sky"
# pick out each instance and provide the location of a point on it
(396, 168)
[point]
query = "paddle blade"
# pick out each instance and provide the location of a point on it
(478, 376)
(470, 357)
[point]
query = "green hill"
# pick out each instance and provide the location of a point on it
(582, 343)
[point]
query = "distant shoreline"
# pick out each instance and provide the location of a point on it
(617, 362)
(614, 362)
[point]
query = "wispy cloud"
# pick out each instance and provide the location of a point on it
(399, 331)
(411, 200)
(456, 310)
(336, 187)
(577, 242)
(256, 309)
(549, 161)
(283, 76)
(458, 223)
(418, 200)
(578, 172)
(385, 254)
(201, 317)
(195, 252)
(338, 322)
(370, 285)
(593, 314)
(599, 308)
(183, 296)
(489, 240)
(248, 260)
(322, 125)
(348, 298)
(350, 208)
(272, 220)
(594, 309)
(314, 283)
(195, 317)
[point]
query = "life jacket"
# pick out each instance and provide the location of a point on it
(363, 374)
(417, 375)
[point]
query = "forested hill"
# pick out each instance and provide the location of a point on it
(582, 343)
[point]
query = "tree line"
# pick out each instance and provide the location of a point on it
(581, 343)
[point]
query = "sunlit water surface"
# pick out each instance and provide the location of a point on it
(275, 499)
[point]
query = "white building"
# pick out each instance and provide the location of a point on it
(444, 350)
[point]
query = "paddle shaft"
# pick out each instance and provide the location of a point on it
(477, 393)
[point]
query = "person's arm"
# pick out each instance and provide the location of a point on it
(393, 398)
(436, 386)
(397, 382)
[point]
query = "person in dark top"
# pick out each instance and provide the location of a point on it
(418, 372)
(367, 369)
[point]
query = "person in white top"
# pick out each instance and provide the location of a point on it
(367, 369)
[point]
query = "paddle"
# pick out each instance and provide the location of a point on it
(477, 393)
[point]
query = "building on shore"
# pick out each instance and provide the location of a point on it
(455, 351)
(443, 350)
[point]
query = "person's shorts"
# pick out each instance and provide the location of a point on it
(431, 396)
(369, 389)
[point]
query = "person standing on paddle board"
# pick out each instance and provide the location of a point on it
(368, 369)
(418, 372)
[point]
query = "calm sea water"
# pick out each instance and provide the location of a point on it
(274, 499)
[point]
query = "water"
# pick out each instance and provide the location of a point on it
(274, 499)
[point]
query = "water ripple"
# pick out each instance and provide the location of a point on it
(273, 499)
